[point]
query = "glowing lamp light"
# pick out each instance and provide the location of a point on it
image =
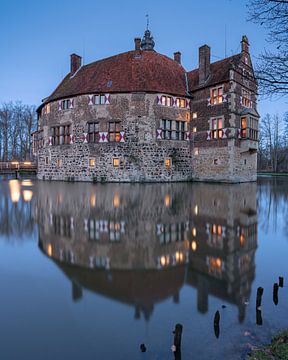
(194, 231)
(93, 200)
(194, 246)
(27, 183)
(196, 210)
(14, 187)
(49, 250)
(14, 162)
(27, 195)
(27, 162)
(163, 260)
(167, 200)
(218, 263)
(242, 239)
(116, 201)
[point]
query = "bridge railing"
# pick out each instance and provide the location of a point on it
(17, 165)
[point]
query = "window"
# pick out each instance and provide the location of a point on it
(216, 127)
(196, 151)
(99, 99)
(91, 162)
(167, 163)
(194, 115)
(173, 129)
(61, 135)
(166, 100)
(215, 161)
(59, 163)
(93, 132)
(249, 128)
(243, 127)
(246, 98)
(194, 129)
(46, 109)
(66, 104)
(46, 160)
(38, 141)
(114, 131)
(216, 95)
(116, 162)
(180, 103)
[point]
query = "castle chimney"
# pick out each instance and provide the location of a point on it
(137, 42)
(245, 44)
(204, 63)
(75, 63)
(177, 57)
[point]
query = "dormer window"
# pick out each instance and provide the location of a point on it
(216, 95)
(99, 99)
(66, 104)
(180, 103)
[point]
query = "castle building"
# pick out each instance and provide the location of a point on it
(140, 116)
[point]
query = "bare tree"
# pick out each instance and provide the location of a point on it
(272, 66)
(17, 121)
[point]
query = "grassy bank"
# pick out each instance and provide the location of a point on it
(277, 350)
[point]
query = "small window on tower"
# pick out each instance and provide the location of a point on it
(194, 115)
(116, 162)
(194, 129)
(167, 163)
(91, 162)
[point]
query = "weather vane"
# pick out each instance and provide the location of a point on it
(147, 16)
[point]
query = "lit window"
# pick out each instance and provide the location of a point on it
(249, 128)
(91, 162)
(173, 129)
(194, 129)
(216, 127)
(99, 99)
(167, 163)
(196, 209)
(243, 127)
(246, 98)
(116, 162)
(194, 115)
(216, 95)
(114, 131)
(196, 151)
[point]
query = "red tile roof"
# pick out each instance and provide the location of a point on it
(133, 71)
(219, 72)
(138, 71)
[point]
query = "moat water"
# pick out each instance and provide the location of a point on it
(91, 271)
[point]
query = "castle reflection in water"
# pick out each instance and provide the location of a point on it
(139, 244)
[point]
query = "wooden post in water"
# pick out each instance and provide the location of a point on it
(281, 281)
(260, 291)
(177, 341)
(275, 293)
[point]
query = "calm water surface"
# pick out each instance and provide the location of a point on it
(92, 271)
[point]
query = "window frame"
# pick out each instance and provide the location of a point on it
(216, 95)
(216, 131)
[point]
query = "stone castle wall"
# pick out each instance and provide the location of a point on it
(141, 156)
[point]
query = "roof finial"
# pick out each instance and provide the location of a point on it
(147, 42)
(147, 17)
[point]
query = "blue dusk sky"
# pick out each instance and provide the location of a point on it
(37, 37)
